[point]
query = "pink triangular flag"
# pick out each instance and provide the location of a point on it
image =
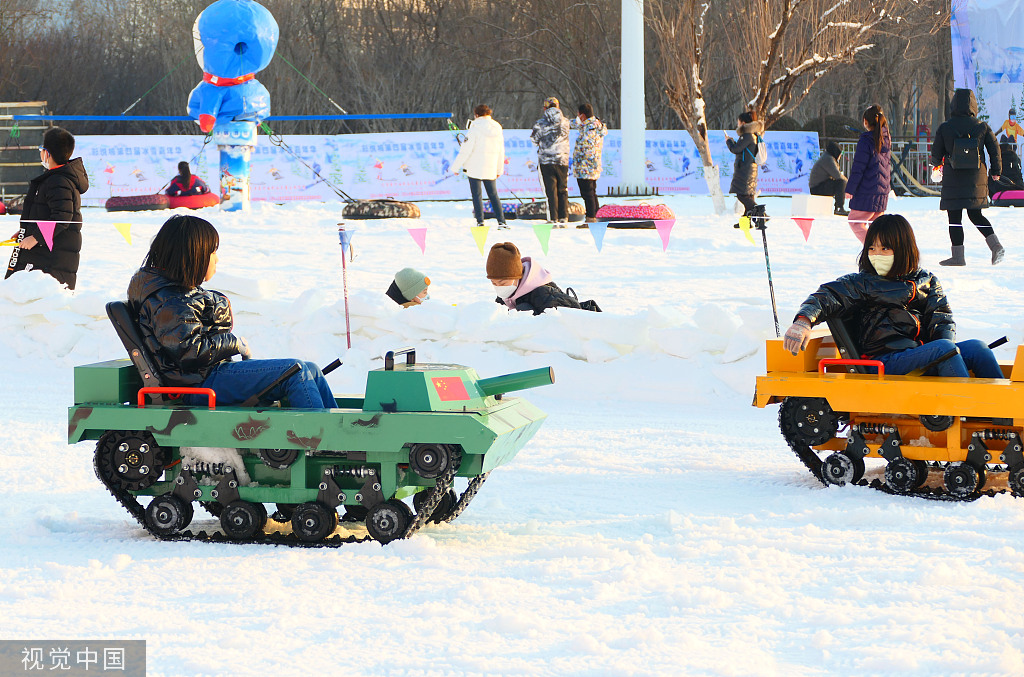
(805, 225)
(420, 236)
(46, 228)
(664, 227)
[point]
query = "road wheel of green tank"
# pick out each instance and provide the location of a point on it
(388, 521)
(1015, 480)
(903, 475)
(168, 514)
(355, 513)
(241, 520)
(962, 479)
(313, 522)
(840, 469)
(810, 420)
(131, 460)
(443, 509)
(279, 459)
(430, 461)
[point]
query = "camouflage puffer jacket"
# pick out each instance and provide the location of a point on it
(586, 155)
(551, 134)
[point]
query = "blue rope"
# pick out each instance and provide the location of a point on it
(185, 118)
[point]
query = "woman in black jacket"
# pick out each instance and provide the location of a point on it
(904, 320)
(744, 168)
(187, 329)
(957, 148)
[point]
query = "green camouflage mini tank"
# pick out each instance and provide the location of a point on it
(417, 428)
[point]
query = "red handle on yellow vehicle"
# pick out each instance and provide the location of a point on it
(829, 361)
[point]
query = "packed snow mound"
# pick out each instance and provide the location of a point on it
(73, 328)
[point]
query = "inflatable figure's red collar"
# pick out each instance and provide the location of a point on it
(227, 82)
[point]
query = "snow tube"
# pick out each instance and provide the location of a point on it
(194, 201)
(1008, 198)
(3, 209)
(15, 204)
(137, 203)
(538, 209)
(640, 215)
(509, 208)
(380, 209)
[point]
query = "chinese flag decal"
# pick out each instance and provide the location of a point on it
(450, 388)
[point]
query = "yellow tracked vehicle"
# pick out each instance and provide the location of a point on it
(844, 417)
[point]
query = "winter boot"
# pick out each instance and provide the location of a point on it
(957, 259)
(997, 249)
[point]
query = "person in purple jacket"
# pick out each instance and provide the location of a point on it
(868, 187)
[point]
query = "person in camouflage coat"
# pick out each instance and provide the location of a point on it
(586, 156)
(551, 134)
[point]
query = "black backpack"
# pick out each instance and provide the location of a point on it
(965, 153)
(585, 305)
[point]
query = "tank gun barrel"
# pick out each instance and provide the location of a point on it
(521, 380)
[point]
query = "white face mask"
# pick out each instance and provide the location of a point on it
(504, 291)
(882, 264)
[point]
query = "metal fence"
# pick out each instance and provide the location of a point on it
(917, 161)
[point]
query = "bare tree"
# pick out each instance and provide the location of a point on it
(680, 36)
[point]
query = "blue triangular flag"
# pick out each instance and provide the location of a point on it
(345, 236)
(598, 230)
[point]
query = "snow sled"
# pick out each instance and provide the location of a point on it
(380, 209)
(538, 209)
(418, 427)
(641, 215)
(938, 437)
(15, 204)
(137, 203)
(3, 209)
(1008, 198)
(194, 201)
(511, 211)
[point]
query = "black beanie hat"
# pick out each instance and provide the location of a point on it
(833, 149)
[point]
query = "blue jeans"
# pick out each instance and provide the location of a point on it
(974, 355)
(235, 382)
(478, 201)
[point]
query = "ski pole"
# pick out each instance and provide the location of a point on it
(344, 283)
(768, 267)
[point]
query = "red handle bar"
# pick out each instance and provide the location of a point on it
(211, 396)
(829, 361)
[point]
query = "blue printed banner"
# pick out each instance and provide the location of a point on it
(415, 165)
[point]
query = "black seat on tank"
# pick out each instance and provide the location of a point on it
(841, 328)
(128, 331)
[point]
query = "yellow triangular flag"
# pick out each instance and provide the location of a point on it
(126, 231)
(480, 236)
(745, 227)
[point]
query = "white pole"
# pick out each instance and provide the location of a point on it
(632, 99)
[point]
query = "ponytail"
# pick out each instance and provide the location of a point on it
(184, 172)
(876, 121)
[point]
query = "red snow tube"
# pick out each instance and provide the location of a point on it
(195, 201)
(640, 215)
(1008, 198)
(137, 203)
(3, 210)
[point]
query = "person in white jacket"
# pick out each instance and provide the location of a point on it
(482, 158)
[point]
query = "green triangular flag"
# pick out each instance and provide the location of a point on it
(543, 233)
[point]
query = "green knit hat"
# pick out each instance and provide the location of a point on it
(411, 282)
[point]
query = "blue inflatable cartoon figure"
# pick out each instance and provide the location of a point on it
(234, 39)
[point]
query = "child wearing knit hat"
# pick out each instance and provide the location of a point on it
(409, 287)
(521, 284)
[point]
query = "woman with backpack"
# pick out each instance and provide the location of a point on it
(744, 167)
(868, 187)
(957, 148)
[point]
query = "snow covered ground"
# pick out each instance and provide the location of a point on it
(657, 524)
